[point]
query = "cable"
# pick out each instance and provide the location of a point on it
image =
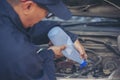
(112, 4)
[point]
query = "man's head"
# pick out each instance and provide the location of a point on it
(33, 11)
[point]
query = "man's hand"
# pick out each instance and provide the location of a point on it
(57, 50)
(80, 49)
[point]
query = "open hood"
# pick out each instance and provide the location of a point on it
(99, 8)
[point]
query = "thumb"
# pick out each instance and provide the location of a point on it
(63, 47)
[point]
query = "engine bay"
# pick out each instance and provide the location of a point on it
(100, 64)
(99, 33)
(101, 45)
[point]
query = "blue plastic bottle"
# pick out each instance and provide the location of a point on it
(58, 37)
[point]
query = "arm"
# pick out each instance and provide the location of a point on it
(39, 35)
(38, 32)
(21, 60)
(77, 44)
(80, 49)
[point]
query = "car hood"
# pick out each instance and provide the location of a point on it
(99, 8)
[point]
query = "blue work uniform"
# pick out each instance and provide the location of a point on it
(19, 59)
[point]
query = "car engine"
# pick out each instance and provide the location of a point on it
(102, 61)
(101, 45)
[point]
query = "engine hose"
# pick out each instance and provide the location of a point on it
(117, 52)
(99, 57)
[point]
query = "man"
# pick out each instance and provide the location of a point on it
(20, 32)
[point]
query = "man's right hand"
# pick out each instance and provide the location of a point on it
(57, 50)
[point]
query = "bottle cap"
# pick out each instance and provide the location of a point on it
(83, 64)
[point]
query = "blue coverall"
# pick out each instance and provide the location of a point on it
(19, 59)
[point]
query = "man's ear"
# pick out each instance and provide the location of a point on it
(27, 7)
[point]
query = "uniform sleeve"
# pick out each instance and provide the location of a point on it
(73, 36)
(19, 58)
(38, 32)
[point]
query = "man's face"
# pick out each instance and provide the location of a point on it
(36, 14)
(30, 13)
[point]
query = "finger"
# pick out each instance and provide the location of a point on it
(60, 54)
(63, 47)
(84, 56)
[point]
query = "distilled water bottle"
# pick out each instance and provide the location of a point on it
(58, 37)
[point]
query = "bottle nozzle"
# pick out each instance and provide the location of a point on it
(83, 64)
